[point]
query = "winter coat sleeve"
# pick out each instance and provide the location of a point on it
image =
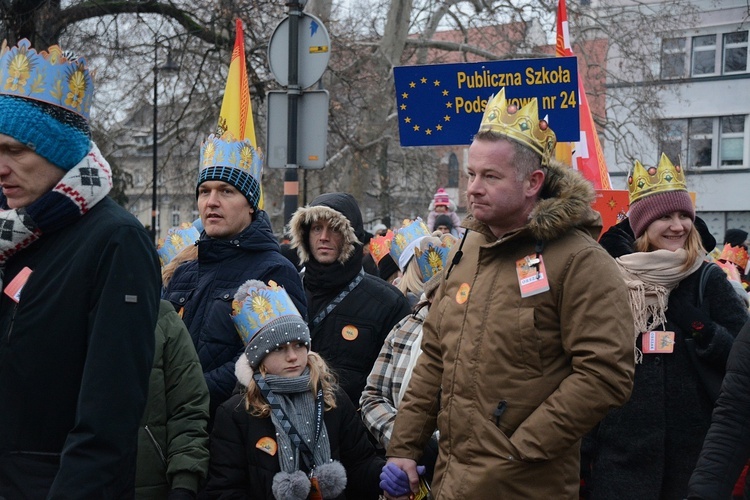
(416, 419)
(116, 369)
(431, 218)
(722, 315)
(727, 444)
(377, 405)
(598, 339)
(358, 456)
(186, 404)
(228, 472)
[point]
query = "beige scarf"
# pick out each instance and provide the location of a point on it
(650, 277)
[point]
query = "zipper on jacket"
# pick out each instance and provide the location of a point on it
(12, 320)
(498, 413)
(156, 445)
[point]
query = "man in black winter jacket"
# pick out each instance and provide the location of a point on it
(350, 312)
(80, 292)
(236, 245)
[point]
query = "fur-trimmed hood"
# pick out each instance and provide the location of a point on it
(342, 210)
(564, 203)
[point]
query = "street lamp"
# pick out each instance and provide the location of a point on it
(169, 66)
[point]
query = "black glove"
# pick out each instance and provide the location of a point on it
(181, 494)
(693, 322)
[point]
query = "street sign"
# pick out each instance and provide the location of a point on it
(312, 127)
(313, 54)
(443, 104)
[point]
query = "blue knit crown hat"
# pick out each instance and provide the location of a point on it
(265, 318)
(45, 100)
(236, 162)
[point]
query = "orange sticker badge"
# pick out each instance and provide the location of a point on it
(267, 445)
(349, 332)
(463, 293)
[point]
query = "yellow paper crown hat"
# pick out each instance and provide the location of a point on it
(656, 192)
(664, 177)
(519, 124)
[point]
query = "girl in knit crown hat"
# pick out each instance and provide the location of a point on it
(291, 433)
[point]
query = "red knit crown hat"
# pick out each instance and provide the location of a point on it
(441, 198)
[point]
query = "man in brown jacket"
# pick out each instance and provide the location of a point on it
(529, 342)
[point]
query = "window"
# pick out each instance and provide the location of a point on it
(732, 140)
(176, 215)
(673, 58)
(710, 54)
(453, 171)
(700, 142)
(705, 143)
(704, 55)
(139, 180)
(670, 137)
(735, 52)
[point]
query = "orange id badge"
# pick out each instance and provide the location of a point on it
(532, 275)
(657, 342)
(13, 290)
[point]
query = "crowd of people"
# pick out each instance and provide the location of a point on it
(517, 353)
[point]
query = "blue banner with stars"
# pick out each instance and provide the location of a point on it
(443, 104)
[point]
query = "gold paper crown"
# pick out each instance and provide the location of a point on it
(660, 179)
(522, 125)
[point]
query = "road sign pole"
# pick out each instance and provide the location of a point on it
(291, 180)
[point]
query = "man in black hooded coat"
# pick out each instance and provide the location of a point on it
(350, 312)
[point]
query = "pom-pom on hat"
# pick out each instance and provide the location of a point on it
(441, 198)
(45, 99)
(265, 318)
(656, 192)
(177, 238)
(406, 239)
(235, 162)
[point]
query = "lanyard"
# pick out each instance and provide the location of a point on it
(294, 436)
(330, 307)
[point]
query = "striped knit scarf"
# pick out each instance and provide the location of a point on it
(81, 188)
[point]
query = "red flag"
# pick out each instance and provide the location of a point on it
(585, 155)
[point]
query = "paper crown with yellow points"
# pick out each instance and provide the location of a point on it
(664, 177)
(52, 76)
(233, 161)
(519, 124)
(737, 256)
(432, 254)
(265, 318)
(177, 238)
(405, 239)
(380, 246)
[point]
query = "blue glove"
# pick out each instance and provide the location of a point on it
(394, 481)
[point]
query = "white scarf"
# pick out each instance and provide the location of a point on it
(650, 277)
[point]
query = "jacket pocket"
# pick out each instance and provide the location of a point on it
(530, 342)
(179, 299)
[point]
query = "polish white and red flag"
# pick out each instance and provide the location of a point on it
(586, 155)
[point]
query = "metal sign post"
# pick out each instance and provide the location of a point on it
(300, 44)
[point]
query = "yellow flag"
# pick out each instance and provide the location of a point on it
(236, 109)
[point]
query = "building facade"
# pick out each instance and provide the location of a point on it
(700, 77)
